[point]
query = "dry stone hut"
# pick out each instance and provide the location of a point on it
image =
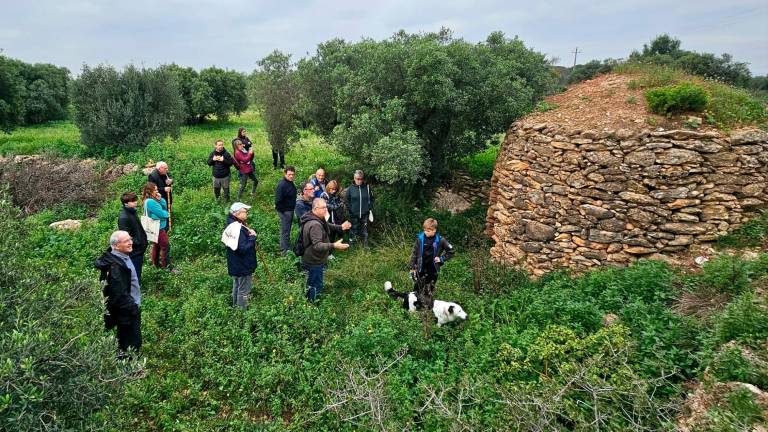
(591, 183)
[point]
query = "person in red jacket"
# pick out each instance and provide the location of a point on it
(245, 170)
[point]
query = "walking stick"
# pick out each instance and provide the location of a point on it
(264, 263)
(170, 208)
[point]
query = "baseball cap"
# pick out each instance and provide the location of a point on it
(236, 207)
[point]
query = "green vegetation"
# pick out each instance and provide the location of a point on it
(124, 111)
(676, 99)
(404, 108)
(753, 233)
(275, 90)
(480, 165)
(211, 92)
(726, 106)
(532, 353)
(31, 93)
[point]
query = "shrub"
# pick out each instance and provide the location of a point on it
(12, 94)
(589, 70)
(480, 165)
(726, 273)
(56, 365)
(123, 111)
(752, 233)
(677, 98)
(745, 320)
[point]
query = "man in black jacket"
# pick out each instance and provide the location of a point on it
(122, 293)
(285, 202)
(220, 161)
(359, 205)
(317, 245)
(129, 222)
(160, 177)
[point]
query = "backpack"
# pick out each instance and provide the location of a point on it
(298, 248)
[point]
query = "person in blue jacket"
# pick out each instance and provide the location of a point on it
(156, 208)
(241, 261)
(429, 254)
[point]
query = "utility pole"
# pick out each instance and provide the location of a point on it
(575, 53)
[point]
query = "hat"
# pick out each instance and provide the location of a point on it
(236, 207)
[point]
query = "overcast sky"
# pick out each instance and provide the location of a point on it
(234, 34)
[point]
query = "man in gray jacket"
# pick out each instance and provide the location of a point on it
(360, 205)
(316, 238)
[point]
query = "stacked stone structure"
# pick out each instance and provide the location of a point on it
(575, 198)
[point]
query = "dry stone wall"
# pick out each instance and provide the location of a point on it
(583, 198)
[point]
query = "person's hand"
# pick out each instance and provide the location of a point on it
(340, 246)
(167, 188)
(169, 181)
(251, 232)
(437, 260)
(346, 225)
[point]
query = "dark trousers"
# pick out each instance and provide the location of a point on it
(314, 281)
(129, 333)
(286, 220)
(359, 231)
(275, 155)
(244, 181)
(425, 289)
(138, 263)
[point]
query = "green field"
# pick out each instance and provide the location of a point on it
(532, 353)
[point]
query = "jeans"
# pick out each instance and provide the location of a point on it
(244, 180)
(138, 262)
(129, 333)
(286, 219)
(160, 255)
(314, 281)
(241, 290)
(359, 231)
(221, 183)
(275, 155)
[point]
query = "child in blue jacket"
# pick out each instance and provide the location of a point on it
(429, 254)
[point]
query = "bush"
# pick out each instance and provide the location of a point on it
(745, 320)
(405, 108)
(589, 70)
(12, 94)
(481, 164)
(56, 364)
(123, 111)
(677, 99)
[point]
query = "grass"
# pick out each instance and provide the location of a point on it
(728, 106)
(283, 364)
(60, 138)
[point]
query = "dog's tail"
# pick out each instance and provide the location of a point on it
(391, 291)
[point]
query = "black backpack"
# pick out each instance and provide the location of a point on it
(298, 248)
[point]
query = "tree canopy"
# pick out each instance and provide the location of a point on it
(402, 108)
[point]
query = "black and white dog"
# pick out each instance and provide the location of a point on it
(444, 311)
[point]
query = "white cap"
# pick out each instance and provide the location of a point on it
(236, 207)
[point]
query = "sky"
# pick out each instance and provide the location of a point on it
(235, 34)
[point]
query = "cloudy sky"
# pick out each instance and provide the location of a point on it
(235, 33)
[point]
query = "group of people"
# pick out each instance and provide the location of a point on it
(121, 265)
(324, 213)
